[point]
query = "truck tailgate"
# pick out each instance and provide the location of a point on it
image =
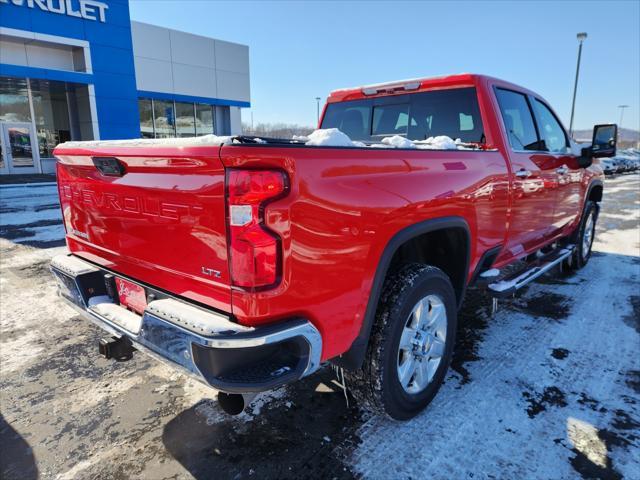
(159, 221)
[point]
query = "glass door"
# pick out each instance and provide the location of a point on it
(19, 148)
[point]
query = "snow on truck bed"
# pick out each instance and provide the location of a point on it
(328, 137)
(202, 141)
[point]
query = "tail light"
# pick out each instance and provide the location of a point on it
(253, 249)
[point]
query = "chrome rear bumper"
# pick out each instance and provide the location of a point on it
(203, 343)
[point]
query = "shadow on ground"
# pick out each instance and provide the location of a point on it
(305, 434)
(16, 455)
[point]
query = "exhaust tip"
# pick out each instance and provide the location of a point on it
(234, 403)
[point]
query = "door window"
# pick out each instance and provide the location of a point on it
(20, 146)
(550, 129)
(185, 119)
(518, 120)
(165, 119)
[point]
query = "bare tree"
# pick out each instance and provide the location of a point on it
(276, 130)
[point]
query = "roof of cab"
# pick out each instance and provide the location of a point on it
(405, 86)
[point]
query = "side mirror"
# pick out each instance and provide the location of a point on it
(604, 140)
(603, 144)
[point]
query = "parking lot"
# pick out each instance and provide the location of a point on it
(548, 387)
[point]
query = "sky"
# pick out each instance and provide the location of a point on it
(302, 50)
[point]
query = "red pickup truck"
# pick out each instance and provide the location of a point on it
(248, 262)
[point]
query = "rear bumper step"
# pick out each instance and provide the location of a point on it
(507, 286)
(203, 343)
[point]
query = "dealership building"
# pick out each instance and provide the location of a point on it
(82, 70)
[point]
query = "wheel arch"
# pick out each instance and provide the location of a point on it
(354, 357)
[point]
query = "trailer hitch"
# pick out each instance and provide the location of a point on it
(121, 349)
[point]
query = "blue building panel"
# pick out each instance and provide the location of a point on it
(54, 24)
(104, 57)
(117, 131)
(14, 17)
(20, 71)
(192, 99)
(121, 111)
(108, 35)
(114, 85)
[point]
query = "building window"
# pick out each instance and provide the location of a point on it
(51, 115)
(50, 109)
(162, 119)
(185, 120)
(204, 119)
(14, 100)
(145, 108)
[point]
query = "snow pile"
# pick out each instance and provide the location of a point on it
(327, 137)
(204, 140)
(333, 137)
(398, 142)
(324, 137)
(441, 142)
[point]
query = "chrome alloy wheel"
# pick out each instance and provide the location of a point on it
(422, 344)
(587, 236)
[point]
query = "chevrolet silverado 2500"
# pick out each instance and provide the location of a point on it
(248, 262)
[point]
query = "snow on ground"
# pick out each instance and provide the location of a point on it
(30, 214)
(549, 387)
(555, 390)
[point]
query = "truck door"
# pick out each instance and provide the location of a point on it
(533, 177)
(568, 173)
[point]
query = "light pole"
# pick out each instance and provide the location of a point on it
(317, 110)
(621, 107)
(581, 37)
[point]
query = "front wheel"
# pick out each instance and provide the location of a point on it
(585, 236)
(411, 344)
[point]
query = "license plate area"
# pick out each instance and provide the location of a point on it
(131, 295)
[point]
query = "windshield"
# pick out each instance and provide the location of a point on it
(416, 116)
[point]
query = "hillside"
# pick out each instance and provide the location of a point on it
(628, 137)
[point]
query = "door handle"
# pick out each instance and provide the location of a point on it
(522, 173)
(562, 170)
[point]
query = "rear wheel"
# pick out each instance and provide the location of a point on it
(411, 343)
(585, 236)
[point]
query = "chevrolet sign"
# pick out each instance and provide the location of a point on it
(87, 9)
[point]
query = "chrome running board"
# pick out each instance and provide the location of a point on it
(507, 286)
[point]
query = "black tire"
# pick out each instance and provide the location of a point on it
(376, 385)
(582, 252)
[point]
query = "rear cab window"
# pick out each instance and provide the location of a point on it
(416, 116)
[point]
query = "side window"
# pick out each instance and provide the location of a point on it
(550, 129)
(518, 120)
